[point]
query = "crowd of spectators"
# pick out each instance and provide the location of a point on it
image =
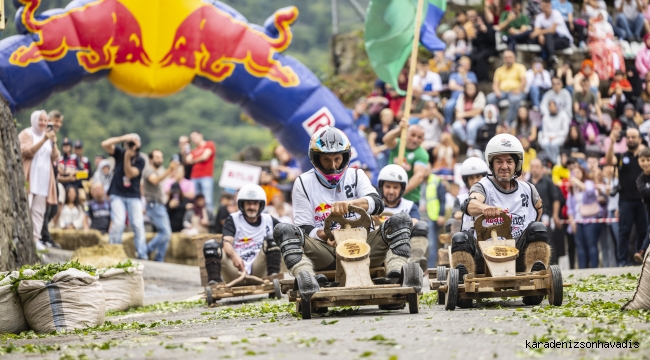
(584, 130)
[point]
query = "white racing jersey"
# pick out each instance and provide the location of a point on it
(312, 202)
(519, 204)
(404, 206)
(249, 239)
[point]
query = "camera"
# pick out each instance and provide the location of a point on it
(176, 158)
(130, 144)
(620, 136)
(615, 190)
(50, 126)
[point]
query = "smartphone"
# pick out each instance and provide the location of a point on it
(176, 197)
(50, 126)
(176, 158)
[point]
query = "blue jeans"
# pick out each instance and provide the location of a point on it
(159, 218)
(629, 213)
(514, 99)
(608, 243)
(467, 133)
(120, 207)
(632, 28)
(586, 239)
(535, 93)
(204, 186)
(432, 260)
(450, 106)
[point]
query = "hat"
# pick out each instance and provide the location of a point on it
(66, 141)
(78, 144)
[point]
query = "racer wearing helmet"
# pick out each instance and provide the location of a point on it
(392, 181)
(245, 233)
(328, 189)
(471, 171)
(498, 192)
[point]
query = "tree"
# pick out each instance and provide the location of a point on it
(16, 239)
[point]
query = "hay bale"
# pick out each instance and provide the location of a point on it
(100, 256)
(183, 247)
(128, 244)
(74, 239)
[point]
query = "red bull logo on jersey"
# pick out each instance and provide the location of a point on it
(322, 211)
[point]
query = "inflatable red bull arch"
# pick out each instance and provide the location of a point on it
(156, 48)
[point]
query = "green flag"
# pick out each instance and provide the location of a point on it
(389, 29)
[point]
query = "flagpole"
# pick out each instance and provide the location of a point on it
(409, 89)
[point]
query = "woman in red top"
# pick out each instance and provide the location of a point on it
(202, 159)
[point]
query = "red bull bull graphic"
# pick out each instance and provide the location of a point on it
(96, 50)
(214, 55)
(322, 211)
(201, 42)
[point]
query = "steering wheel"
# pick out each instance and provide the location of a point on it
(484, 232)
(363, 221)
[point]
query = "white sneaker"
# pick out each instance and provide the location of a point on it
(40, 246)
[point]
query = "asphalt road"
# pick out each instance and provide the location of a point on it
(493, 330)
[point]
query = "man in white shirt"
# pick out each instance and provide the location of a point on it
(538, 81)
(432, 123)
(551, 32)
(429, 82)
(629, 18)
(560, 95)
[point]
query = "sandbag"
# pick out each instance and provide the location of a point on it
(641, 298)
(12, 318)
(123, 288)
(73, 299)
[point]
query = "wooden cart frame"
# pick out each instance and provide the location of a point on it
(345, 293)
(500, 279)
(245, 285)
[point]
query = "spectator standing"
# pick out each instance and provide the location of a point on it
(551, 33)
(643, 185)
(608, 242)
(280, 210)
(125, 190)
(582, 204)
(556, 129)
(56, 118)
(629, 18)
(562, 98)
(72, 213)
(416, 159)
(483, 47)
(515, 26)
(469, 115)
(376, 138)
(202, 160)
(184, 149)
(630, 206)
(457, 81)
(176, 206)
(551, 196)
(538, 81)
(67, 167)
(432, 123)
(509, 84)
(186, 186)
(153, 175)
(98, 216)
(359, 116)
(606, 54)
(523, 127)
(429, 82)
(84, 170)
(287, 168)
(38, 150)
(577, 26)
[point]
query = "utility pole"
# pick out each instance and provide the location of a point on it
(335, 17)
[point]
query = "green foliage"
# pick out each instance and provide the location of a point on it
(159, 308)
(597, 283)
(46, 272)
(429, 298)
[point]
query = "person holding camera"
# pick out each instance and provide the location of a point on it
(38, 151)
(153, 175)
(631, 210)
(125, 190)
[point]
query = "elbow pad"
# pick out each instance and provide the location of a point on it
(465, 205)
(379, 204)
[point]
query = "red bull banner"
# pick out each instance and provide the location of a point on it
(156, 48)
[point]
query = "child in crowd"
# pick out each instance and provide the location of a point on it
(643, 184)
(619, 81)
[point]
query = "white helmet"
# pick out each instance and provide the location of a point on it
(251, 192)
(505, 144)
(473, 166)
(392, 173)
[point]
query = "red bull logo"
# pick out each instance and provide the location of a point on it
(323, 208)
(203, 42)
(245, 240)
(112, 37)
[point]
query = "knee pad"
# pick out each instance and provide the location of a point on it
(463, 241)
(213, 253)
(396, 233)
(291, 240)
(537, 232)
(270, 245)
(421, 228)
